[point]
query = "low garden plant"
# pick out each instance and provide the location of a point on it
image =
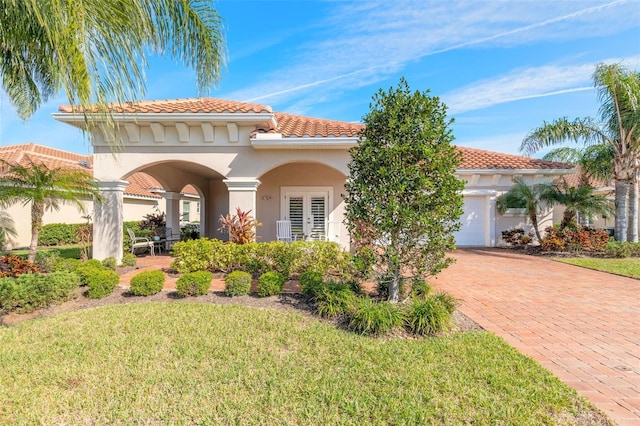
(311, 283)
(431, 314)
(101, 284)
(367, 316)
(237, 283)
(129, 259)
(147, 283)
(194, 284)
(335, 299)
(270, 284)
(29, 292)
(574, 239)
(12, 265)
(110, 263)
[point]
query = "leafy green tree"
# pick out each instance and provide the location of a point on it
(529, 197)
(95, 50)
(44, 189)
(619, 94)
(577, 200)
(402, 196)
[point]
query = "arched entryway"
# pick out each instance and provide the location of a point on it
(307, 193)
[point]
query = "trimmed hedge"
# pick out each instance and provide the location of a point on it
(287, 259)
(29, 292)
(147, 283)
(59, 234)
(194, 284)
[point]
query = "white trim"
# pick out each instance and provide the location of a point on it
(242, 184)
(116, 185)
(171, 117)
(304, 143)
(479, 192)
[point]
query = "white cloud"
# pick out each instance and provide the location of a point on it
(363, 43)
(528, 83)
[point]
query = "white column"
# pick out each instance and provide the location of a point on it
(172, 210)
(107, 221)
(242, 194)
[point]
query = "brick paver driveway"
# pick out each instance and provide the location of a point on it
(582, 325)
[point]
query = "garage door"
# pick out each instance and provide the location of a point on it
(473, 221)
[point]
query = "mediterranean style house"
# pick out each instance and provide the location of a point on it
(142, 196)
(276, 165)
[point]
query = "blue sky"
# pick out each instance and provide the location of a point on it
(502, 67)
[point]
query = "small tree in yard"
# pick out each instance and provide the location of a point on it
(402, 197)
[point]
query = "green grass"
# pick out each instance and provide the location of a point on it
(66, 252)
(627, 267)
(191, 363)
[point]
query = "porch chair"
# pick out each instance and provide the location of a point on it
(283, 231)
(167, 237)
(141, 242)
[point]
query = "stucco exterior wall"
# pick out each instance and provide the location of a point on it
(302, 175)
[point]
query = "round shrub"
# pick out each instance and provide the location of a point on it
(237, 283)
(311, 283)
(94, 262)
(147, 283)
(84, 271)
(101, 283)
(109, 263)
(270, 284)
(370, 317)
(129, 260)
(69, 265)
(431, 314)
(48, 260)
(194, 284)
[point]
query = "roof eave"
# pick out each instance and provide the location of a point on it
(516, 171)
(340, 143)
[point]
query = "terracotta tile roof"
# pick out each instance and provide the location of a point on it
(141, 184)
(51, 157)
(290, 125)
(480, 159)
(574, 180)
(190, 105)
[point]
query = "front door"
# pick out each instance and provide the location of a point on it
(308, 211)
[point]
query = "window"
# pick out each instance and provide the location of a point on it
(186, 213)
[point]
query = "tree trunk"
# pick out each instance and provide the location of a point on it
(37, 211)
(534, 222)
(632, 227)
(622, 191)
(567, 218)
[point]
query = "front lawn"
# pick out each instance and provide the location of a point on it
(179, 363)
(629, 267)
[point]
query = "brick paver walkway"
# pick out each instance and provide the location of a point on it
(582, 325)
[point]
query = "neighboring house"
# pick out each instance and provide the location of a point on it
(142, 195)
(277, 165)
(601, 187)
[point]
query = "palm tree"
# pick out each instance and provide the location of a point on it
(95, 50)
(43, 188)
(577, 200)
(7, 229)
(529, 197)
(619, 94)
(594, 161)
